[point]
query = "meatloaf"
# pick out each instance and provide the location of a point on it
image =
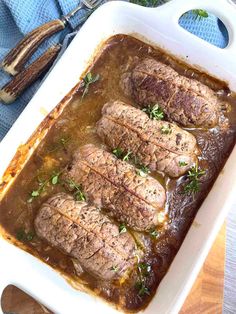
(114, 184)
(160, 145)
(185, 101)
(86, 234)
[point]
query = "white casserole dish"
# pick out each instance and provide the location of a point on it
(160, 27)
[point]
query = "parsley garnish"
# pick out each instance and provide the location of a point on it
(194, 174)
(154, 112)
(122, 228)
(88, 80)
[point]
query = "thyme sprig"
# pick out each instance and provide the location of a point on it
(199, 13)
(53, 179)
(154, 112)
(87, 81)
(194, 175)
(78, 194)
(143, 271)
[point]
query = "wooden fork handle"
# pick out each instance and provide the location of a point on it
(21, 81)
(15, 60)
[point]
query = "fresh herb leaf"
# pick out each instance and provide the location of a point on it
(88, 80)
(154, 112)
(142, 289)
(54, 179)
(21, 235)
(194, 185)
(127, 156)
(200, 13)
(78, 194)
(154, 233)
(122, 228)
(182, 163)
(166, 130)
(143, 171)
(144, 268)
(115, 268)
(60, 144)
(118, 152)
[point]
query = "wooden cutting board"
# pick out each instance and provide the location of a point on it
(206, 297)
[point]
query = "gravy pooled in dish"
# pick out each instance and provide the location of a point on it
(110, 192)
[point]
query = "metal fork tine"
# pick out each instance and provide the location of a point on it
(91, 4)
(96, 2)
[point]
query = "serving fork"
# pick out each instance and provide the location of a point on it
(18, 56)
(16, 59)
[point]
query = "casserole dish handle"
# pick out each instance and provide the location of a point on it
(225, 10)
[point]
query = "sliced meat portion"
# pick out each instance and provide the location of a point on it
(160, 145)
(184, 100)
(115, 185)
(87, 235)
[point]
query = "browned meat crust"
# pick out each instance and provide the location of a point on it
(84, 233)
(115, 185)
(186, 101)
(131, 129)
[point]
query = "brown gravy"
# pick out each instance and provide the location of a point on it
(75, 127)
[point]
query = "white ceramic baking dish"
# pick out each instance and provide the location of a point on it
(159, 26)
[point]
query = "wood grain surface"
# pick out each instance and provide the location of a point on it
(206, 296)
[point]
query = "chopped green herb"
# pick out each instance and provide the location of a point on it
(54, 179)
(115, 268)
(21, 235)
(143, 171)
(182, 163)
(78, 194)
(36, 193)
(122, 228)
(144, 268)
(194, 174)
(60, 144)
(88, 80)
(127, 156)
(200, 13)
(142, 289)
(154, 112)
(118, 152)
(166, 130)
(154, 233)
